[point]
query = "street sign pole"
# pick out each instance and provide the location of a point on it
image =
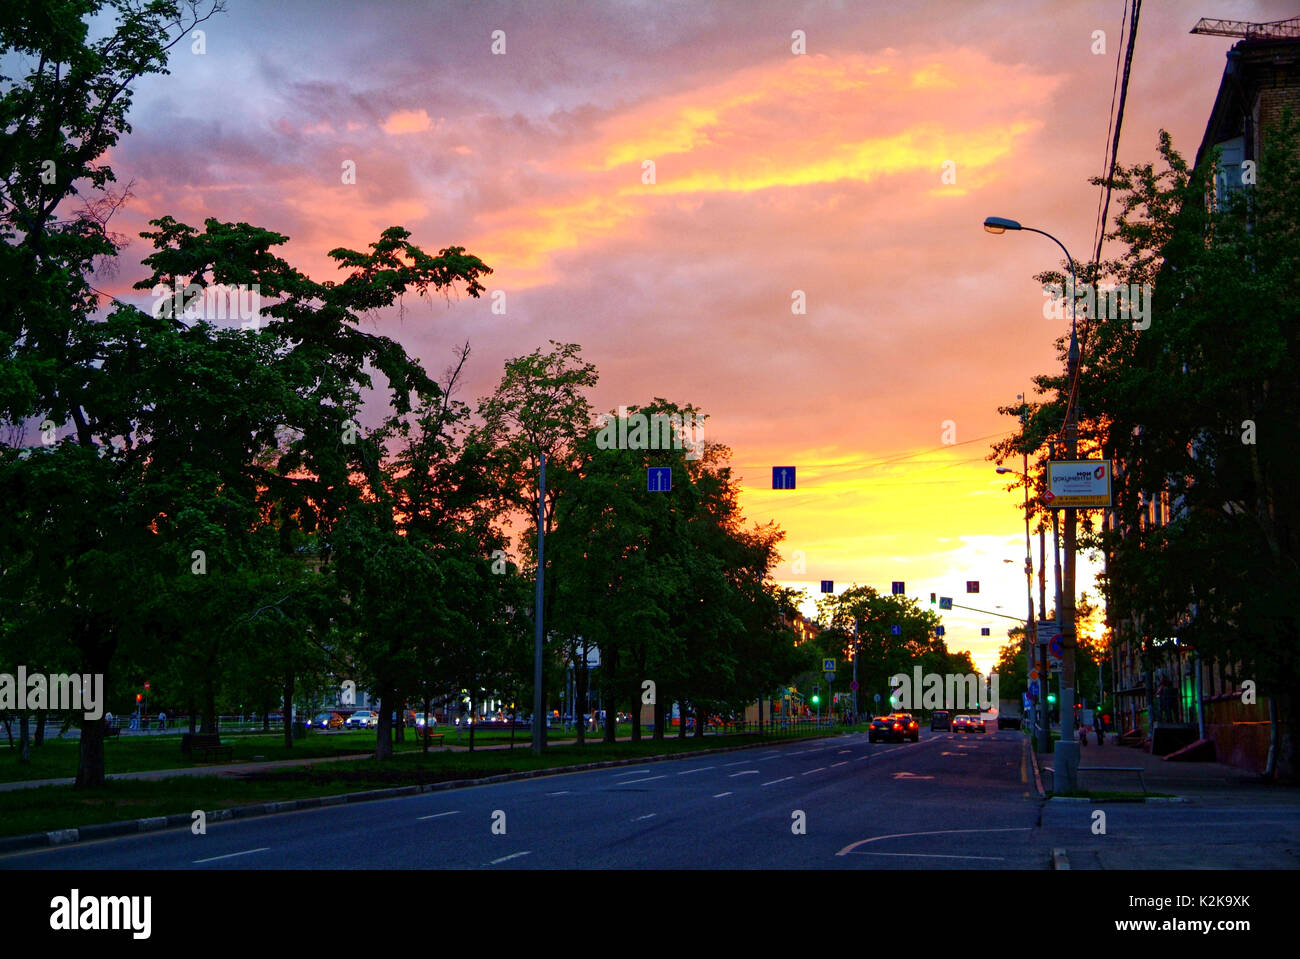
(855, 670)
(539, 730)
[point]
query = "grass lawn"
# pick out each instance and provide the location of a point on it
(60, 807)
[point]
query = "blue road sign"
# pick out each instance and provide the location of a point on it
(828, 665)
(896, 630)
(945, 602)
(899, 588)
(938, 631)
(984, 630)
(782, 477)
(1033, 688)
(1057, 646)
(828, 586)
(659, 479)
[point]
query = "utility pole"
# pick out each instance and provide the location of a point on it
(855, 670)
(539, 730)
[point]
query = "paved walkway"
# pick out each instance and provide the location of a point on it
(236, 769)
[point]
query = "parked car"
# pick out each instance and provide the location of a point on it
(894, 728)
(325, 721)
(363, 719)
(940, 719)
(424, 719)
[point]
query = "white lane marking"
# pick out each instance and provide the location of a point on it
(843, 751)
(231, 855)
(687, 772)
(562, 792)
(772, 782)
(646, 816)
(842, 762)
(629, 772)
(922, 855)
(720, 795)
(626, 782)
(819, 769)
(862, 759)
(739, 763)
(934, 832)
(513, 855)
(438, 815)
(744, 772)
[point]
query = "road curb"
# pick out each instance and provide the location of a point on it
(1038, 777)
(108, 830)
(1060, 860)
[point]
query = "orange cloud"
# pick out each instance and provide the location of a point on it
(407, 121)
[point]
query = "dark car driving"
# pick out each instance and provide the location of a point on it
(895, 728)
(940, 719)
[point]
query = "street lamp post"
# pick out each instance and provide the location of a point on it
(1066, 765)
(1037, 653)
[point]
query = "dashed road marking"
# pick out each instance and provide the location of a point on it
(744, 772)
(819, 769)
(773, 782)
(687, 772)
(629, 772)
(842, 762)
(232, 855)
(513, 855)
(439, 815)
(650, 815)
(627, 782)
(720, 795)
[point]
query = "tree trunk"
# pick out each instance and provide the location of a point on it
(699, 722)
(681, 720)
(39, 738)
(470, 719)
(611, 717)
(209, 709)
(635, 716)
(659, 720)
(9, 731)
(580, 707)
(24, 738)
(286, 714)
(96, 655)
(193, 717)
(384, 733)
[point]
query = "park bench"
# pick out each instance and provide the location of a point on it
(203, 746)
(421, 732)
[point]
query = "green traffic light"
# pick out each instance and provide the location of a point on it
(816, 699)
(1051, 697)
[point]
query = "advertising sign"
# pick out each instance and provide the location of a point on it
(1078, 483)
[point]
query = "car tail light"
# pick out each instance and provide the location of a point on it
(898, 725)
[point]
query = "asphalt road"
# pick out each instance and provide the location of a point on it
(948, 801)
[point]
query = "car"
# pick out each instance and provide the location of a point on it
(967, 724)
(959, 723)
(424, 719)
(363, 719)
(975, 724)
(940, 719)
(325, 721)
(894, 728)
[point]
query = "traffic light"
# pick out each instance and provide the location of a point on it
(1051, 698)
(816, 699)
(138, 697)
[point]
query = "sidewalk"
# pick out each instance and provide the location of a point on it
(237, 769)
(1189, 779)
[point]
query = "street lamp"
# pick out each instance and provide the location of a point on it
(1066, 767)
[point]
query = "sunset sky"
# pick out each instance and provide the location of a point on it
(774, 172)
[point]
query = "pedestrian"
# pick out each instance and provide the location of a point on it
(162, 720)
(1100, 723)
(108, 718)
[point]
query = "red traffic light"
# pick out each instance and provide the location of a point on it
(138, 697)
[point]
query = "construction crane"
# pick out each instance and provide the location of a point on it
(1274, 30)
